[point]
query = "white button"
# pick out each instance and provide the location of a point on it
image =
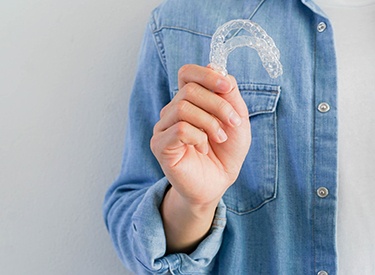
(321, 27)
(324, 107)
(322, 272)
(322, 192)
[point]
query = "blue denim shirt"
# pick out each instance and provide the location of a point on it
(279, 217)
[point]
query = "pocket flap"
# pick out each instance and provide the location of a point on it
(260, 98)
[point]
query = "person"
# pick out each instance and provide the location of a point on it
(240, 174)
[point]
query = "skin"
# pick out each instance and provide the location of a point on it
(200, 141)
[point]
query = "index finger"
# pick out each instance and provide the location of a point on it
(205, 77)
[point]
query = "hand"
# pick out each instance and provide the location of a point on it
(203, 135)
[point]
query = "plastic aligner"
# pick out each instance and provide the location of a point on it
(258, 39)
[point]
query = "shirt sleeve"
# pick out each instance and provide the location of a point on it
(131, 205)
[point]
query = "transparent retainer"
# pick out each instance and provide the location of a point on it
(258, 40)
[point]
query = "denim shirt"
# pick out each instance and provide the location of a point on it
(279, 217)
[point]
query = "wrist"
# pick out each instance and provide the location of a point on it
(193, 208)
(185, 223)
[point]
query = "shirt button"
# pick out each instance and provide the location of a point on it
(324, 107)
(322, 192)
(322, 272)
(321, 27)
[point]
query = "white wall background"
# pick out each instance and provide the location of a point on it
(66, 69)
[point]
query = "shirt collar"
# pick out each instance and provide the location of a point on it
(314, 7)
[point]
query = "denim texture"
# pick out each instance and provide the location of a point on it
(271, 221)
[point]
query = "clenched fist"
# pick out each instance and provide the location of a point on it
(203, 135)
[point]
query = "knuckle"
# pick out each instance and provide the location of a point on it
(181, 107)
(208, 75)
(163, 111)
(190, 90)
(153, 144)
(155, 129)
(212, 128)
(184, 70)
(224, 107)
(213, 123)
(181, 128)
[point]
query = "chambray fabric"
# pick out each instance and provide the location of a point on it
(271, 221)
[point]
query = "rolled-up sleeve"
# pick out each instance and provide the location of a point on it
(149, 244)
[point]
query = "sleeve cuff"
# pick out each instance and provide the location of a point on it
(149, 243)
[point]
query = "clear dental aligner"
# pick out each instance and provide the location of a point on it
(258, 40)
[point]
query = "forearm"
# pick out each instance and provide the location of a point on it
(185, 225)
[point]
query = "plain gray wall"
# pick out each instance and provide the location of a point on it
(66, 70)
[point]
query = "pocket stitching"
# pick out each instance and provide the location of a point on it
(274, 193)
(275, 90)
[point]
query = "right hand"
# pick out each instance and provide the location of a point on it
(203, 135)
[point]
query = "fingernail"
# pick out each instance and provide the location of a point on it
(222, 135)
(234, 119)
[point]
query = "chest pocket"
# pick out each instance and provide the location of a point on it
(257, 182)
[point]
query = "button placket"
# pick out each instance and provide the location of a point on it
(325, 150)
